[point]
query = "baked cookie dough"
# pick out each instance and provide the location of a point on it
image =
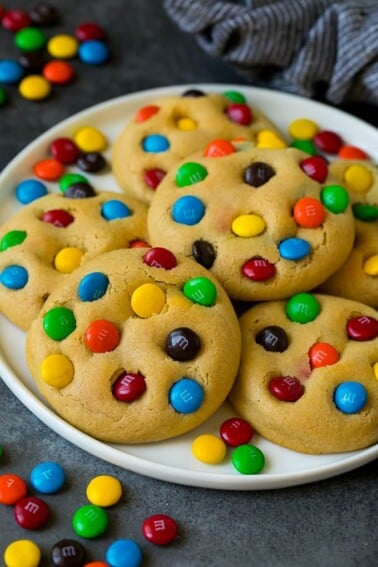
(357, 278)
(136, 346)
(308, 373)
(267, 223)
(50, 237)
(163, 133)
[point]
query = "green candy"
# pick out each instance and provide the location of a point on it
(235, 97)
(69, 179)
(335, 198)
(306, 146)
(248, 459)
(3, 95)
(200, 290)
(90, 521)
(302, 308)
(58, 323)
(365, 212)
(1, 452)
(190, 173)
(12, 238)
(30, 39)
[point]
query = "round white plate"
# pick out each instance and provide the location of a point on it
(173, 460)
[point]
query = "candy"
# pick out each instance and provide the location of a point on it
(258, 174)
(268, 139)
(90, 521)
(200, 290)
(58, 323)
(104, 491)
(193, 93)
(159, 529)
(309, 212)
(182, 344)
(129, 387)
(93, 52)
(219, 148)
(147, 300)
(155, 143)
(190, 173)
(186, 124)
(89, 139)
(362, 328)
(370, 265)
(62, 46)
(350, 397)
(49, 169)
(11, 72)
(29, 190)
(159, 257)
(358, 178)
(101, 336)
(258, 269)
(286, 388)
(352, 152)
(204, 253)
(322, 354)
(31, 513)
(146, 112)
(303, 129)
(3, 96)
(30, 39)
(89, 30)
(114, 209)
(365, 212)
(248, 459)
(152, 177)
(34, 87)
(188, 210)
(44, 14)
(67, 553)
(80, 190)
(247, 226)
(58, 217)
(328, 141)
(22, 553)
(14, 20)
(14, 277)
(12, 238)
(124, 552)
(93, 286)
(209, 449)
(32, 61)
(334, 198)
(302, 308)
(235, 96)
(57, 370)
(65, 150)
(186, 396)
(92, 162)
(315, 167)
(273, 339)
(58, 72)
(236, 431)
(306, 146)
(48, 477)
(12, 489)
(240, 113)
(294, 248)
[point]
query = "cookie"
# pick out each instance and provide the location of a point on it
(163, 133)
(50, 237)
(267, 223)
(308, 373)
(136, 346)
(357, 278)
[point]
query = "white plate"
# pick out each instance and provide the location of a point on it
(172, 460)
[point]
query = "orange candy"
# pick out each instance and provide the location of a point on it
(352, 152)
(219, 148)
(309, 212)
(49, 169)
(323, 354)
(146, 112)
(102, 336)
(96, 564)
(12, 489)
(58, 72)
(138, 244)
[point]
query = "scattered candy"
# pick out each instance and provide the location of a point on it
(31, 513)
(68, 552)
(48, 477)
(34, 87)
(22, 553)
(89, 139)
(90, 521)
(58, 72)
(159, 529)
(93, 52)
(124, 552)
(12, 489)
(30, 39)
(62, 46)
(104, 491)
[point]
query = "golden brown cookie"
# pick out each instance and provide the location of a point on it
(267, 223)
(163, 133)
(308, 373)
(136, 346)
(50, 237)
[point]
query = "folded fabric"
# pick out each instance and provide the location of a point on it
(300, 46)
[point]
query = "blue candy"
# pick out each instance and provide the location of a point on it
(188, 210)
(14, 277)
(93, 286)
(29, 190)
(124, 553)
(155, 143)
(48, 477)
(186, 395)
(350, 397)
(11, 72)
(294, 248)
(115, 209)
(93, 52)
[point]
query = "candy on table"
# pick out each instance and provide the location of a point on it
(104, 491)
(12, 489)
(90, 521)
(48, 477)
(22, 553)
(124, 552)
(31, 513)
(66, 552)
(159, 529)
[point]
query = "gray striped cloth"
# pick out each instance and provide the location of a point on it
(300, 46)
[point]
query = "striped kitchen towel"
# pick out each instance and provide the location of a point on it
(301, 46)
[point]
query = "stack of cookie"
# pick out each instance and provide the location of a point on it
(142, 342)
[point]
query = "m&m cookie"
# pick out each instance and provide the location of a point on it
(163, 133)
(52, 236)
(136, 346)
(267, 223)
(308, 373)
(357, 278)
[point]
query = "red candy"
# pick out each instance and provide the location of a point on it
(159, 529)
(315, 167)
(240, 113)
(258, 269)
(146, 112)
(101, 336)
(286, 388)
(88, 31)
(160, 258)
(152, 177)
(327, 141)
(31, 513)
(236, 431)
(363, 328)
(65, 150)
(15, 20)
(129, 387)
(58, 217)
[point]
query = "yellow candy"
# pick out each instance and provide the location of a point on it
(90, 139)
(148, 299)
(209, 449)
(269, 139)
(57, 370)
(104, 491)
(63, 46)
(248, 225)
(22, 553)
(358, 178)
(303, 129)
(375, 370)
(68, 259)
(34, 87)
(186, 124)
(370, 266)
